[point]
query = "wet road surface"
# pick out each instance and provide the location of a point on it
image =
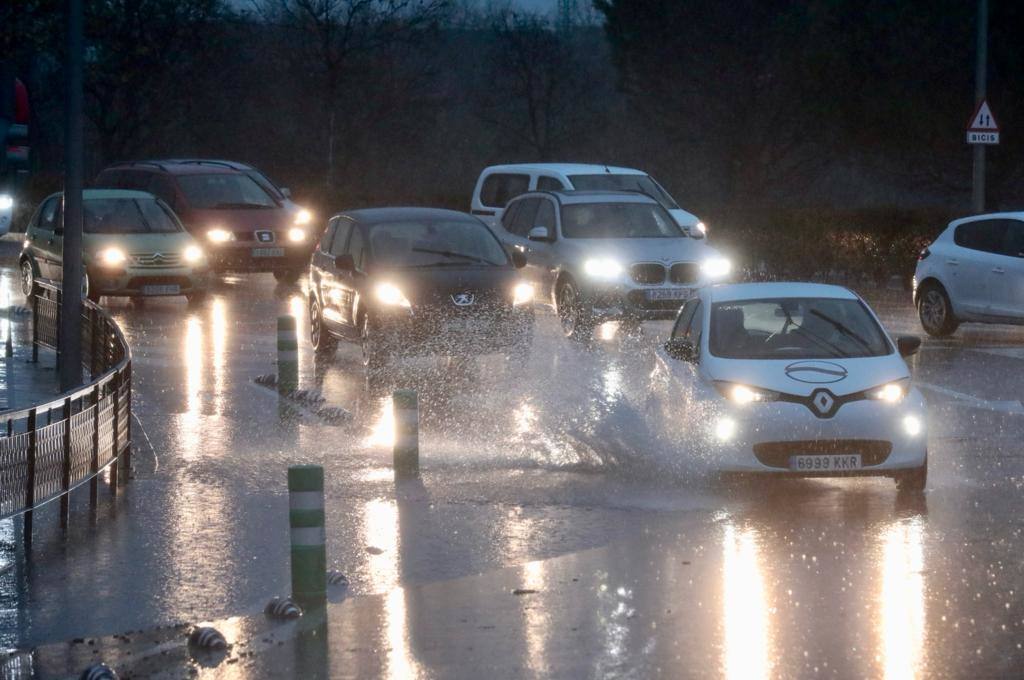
(543, 476)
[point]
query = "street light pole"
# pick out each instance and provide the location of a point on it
(70, 340)
(980, 72)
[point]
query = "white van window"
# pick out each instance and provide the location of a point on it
(500, 188)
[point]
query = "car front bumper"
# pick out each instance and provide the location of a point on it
(133, 281)
(258, 257)
(425, 332)
(762, 437)
(617, 301)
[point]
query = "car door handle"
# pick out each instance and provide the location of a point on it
(998, 270)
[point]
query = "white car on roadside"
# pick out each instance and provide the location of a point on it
(793, 379)
(499, 184)
(973, 272)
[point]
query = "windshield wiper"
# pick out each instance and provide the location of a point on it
(452, 253)
(842, 328)
(240, 205)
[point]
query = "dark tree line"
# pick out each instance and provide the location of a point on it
(735, 106)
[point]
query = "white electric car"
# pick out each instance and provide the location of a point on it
(793, 378)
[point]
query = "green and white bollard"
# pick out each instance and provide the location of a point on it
(309, 549)
(287, 355)
(407, 433)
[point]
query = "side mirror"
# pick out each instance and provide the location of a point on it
(681, 349)
(518, 259)
(539, 234)
(908, 345)
(344, 263)
(286, 192)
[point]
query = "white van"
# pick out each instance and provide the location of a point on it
(499, 184)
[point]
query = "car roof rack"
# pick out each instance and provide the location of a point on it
(233, 165)
(131, 163)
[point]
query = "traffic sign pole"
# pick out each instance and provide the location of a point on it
(978, 174)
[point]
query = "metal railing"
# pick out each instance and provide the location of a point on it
(50, 449)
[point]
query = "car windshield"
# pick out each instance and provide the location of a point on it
(435, 243)
(224, 190)
(610, 182)
(795, 328)
(618, 220)
(128, 216)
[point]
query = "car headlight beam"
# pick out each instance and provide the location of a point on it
(744, 394)
(220, 235)
(192, 254)
(716, 267)
(602, 268)
(296, 235)
(6, 201)
(111, 257)
(392, 295)
(891, 393)
(303, 216)
(522, 293)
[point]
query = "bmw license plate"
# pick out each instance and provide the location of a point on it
(839, 462)
(669, 293)
(268, 252)
(169, 289)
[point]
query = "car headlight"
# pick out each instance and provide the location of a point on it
(296, 235)
(303, 216)
(522, 293)
(725, 429)
(220, 235)
(716, 267)
(701, 228)
(111, 257)
(6, 201)
(744, 394)
(390, 294)
(602, 268)
(192, 254)
(891, 393)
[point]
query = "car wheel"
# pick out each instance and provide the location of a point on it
(323, 342)
(575, 318)
(936, 312)
(28, 279)
(375, 357)
(288, 276)
(914, 480)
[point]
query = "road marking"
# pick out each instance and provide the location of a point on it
(1014, 407)
(1011, 352)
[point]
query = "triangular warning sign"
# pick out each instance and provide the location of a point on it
(983, 119)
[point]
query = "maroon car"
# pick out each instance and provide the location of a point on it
(243, 226)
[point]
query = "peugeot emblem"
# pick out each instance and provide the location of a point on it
(463, 299)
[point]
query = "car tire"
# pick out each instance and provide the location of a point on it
(913, 480)
(28, 278)
(375, 357)
(320, 338)
(936, 312)
(575, 317)
(288, 276)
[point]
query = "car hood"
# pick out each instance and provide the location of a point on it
(238, 219)
(437, 285)
(629, 250)
(139, 243)
(803, 376)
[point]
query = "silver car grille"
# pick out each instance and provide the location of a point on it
(655, 273)
(156, 259)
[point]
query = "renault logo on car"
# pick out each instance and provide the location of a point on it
(463, 299)
(823, 402)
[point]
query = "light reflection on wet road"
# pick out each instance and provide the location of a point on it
(643, 561)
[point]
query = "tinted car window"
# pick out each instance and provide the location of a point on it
(162, 187)
(223, 190)
(341, 237)
(1014, 240)
(134, 179)
(545, 215)
(435, 243)
(509, 215)
(523, 221)
(328, 236)
(127, 216)
(549, 184)
(618, 220)
(683, 321)
(500, 188)
(984, 235)
(48, 214)
(357, 246)
(795, 328)
(108, 179)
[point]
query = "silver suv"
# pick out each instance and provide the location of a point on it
(607, 255)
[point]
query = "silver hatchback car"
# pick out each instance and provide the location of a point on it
(607, 255)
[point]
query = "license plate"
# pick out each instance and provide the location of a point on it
(459, 327)
(168, 289)
(268, 252)
(669, 293)
(825, 463)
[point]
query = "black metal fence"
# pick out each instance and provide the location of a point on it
(50, 449)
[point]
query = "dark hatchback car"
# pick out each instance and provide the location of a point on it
(243, 224)
(414, 281)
